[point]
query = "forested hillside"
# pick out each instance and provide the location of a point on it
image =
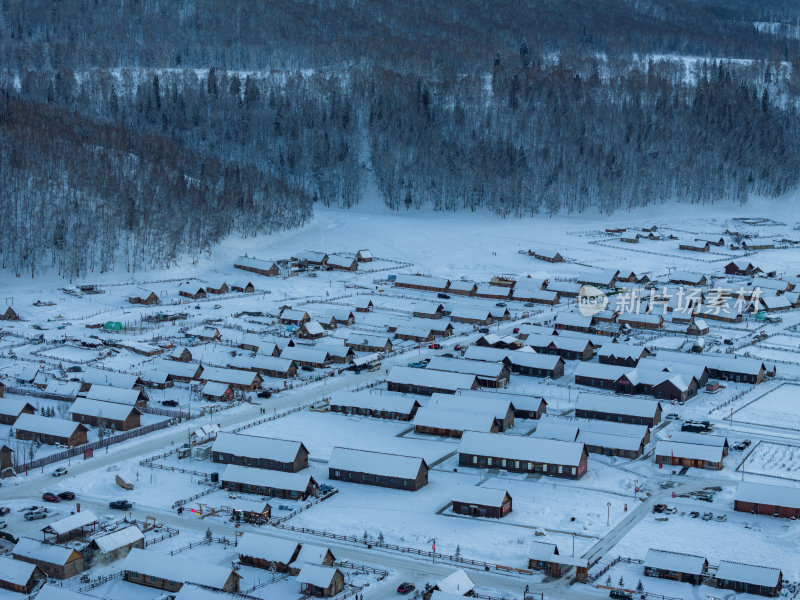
(136, 132)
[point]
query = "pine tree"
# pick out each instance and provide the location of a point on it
(458, 552)
(380, 537)
(621, 581)
(209, 534)
(640, 586)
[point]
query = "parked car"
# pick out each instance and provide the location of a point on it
(50, 497)
(483, 330)
(169, 402)
(529, 304)
(449, 355)
(722, 518)
(67, 495)
(405, 588)
(443, 296)
(3, 523)
(307, 367)
(659, 508)
(707, 516)
(672, 417)
(120, 504)
(217, 306)
(36, 509)
(620, 595)
(516, 329)
(458, 347)
(4, 510)
(264, 394)
(694, 514)
(60, 471)
(34, 515)
(435, 346)
(74, 369)
(501, 304)
(670, 510)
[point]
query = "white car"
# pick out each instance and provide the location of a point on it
(672, 417)
(3, 523)
(60, 471)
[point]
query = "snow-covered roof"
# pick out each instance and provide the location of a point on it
(36, 550)
(311, 553)
(621, 351)
(402, 404)
(618, 405)
(764, 493)
(541, 550)
(686, 277)
(118, 539)
(261, 362)
(253, 446)
(520, 401)
(155, 376)
(433, 379)
(458, 582)
(665, 560)
(235, 376)
(268, 548)
(531, 293)
(296, 482)
(72, 522)
(316, 575)
(487, 354)
(421, 280)
(378, 341)
(16, 572)
(770, 284)
(337, 260)
(749, 366)
(12, 407)
(556, 430)
(494, 290)
(64, 388)
(497, 406)
(455, 420)
(112, 378)
(313, 327)
(215, 389)
(470, 312)
(480, 495)
(46, 425)
(703, 439)
(98, 408)
(377, 463)
(293, 315)
(604, 277)
(532, 360)
(746, 573)
(521, 448)
(459, 285)
(177, 368)
(693, 451)
(775, 302)
(190, 591)
(570, 319)
(601, 371)
(107, 393)
(305, 354)
(609, 440)
(473, 367)
(171, 568)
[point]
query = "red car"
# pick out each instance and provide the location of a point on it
(516, 329)
(50, 497)
(434, 346)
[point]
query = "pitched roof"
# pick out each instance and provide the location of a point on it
(12, 407)
(481, 368)
(618, 405)
(296, 482)
(763, 493)
(98, 408)
(16, 572)
(316, 575)
(215, 389)
(117, 539)
(72, 522)
(746, 573)
(428, 378)
(693, 451)
(47, 425)
(184, 570)
(268, 548)
(456, 420)
(36, 550)
(385, 402)
(521, 448)
(112, 378)
(377, 463)
(665, 560)
(458, 582)
(52, 592)
(480, 495)
(253, 446)
(494, 405)
(235, 376)
(108, 393)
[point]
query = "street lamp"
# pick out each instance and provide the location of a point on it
(635, 488)
(525, 593)
(608, 518)
(433, 554)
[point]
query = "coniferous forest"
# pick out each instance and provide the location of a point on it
(133, 133)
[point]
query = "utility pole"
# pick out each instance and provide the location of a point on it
(608, 518)
(433, 554)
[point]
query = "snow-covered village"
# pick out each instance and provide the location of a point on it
(429, 300)
(562, 414)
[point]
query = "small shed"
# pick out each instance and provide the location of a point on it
(320, 581)
(482, 502)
